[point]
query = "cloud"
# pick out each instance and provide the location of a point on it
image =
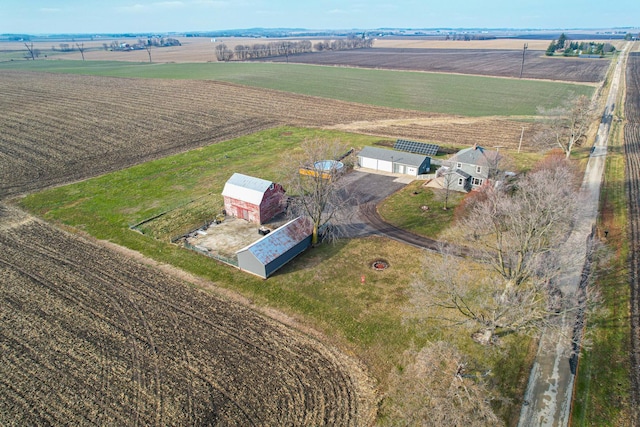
(50, 10)
(168, 4)
(133, 8)
(214, 3)
(338, 12)
(136, 8)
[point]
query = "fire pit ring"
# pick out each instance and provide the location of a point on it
(379, 265)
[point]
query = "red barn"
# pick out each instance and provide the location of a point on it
(254, 199)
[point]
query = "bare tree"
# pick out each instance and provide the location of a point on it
(436, 387)
(449, 180)
(81, 49)
(567, 125)
(223, 53)
(516, 233)
(147, 47)
(314, 180)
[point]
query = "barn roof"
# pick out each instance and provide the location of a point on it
(246, 188)
(279, 241)
(409, 159)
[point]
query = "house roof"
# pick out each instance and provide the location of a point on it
(475, 155)
(279, 241)
(246, 188)
(462, 173)
(402, 157)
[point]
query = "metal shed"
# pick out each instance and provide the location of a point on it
(277, 248)
(393, 161)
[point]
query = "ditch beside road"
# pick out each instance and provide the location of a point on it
(549, 393)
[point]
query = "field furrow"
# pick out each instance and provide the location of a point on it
(90, 336)
(632, 173)
(62, 128)
(499, 62)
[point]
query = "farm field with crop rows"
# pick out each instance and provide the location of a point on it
(91, 337)
(467, 95)
(499, 63)
(632, 151)
(59, 128)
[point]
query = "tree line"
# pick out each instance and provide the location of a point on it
(573, 48)
(286, 48)
(142, 43)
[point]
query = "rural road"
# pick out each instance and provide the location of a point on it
(547, 400)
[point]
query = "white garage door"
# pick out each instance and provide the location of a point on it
(366, 162)
(384, 166)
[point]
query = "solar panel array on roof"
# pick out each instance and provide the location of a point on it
(416, 147)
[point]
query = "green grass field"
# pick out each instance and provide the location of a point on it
(603, 383)
(438, 93)
(404, 209)
(322, 288)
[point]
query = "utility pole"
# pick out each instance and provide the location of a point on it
(524, 50)
(521, 135)
(31, 51)
(81, 49)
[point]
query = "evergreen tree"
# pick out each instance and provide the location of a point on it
(561, 41)
(551, 49)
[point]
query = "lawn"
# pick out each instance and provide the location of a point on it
(331, 288)
(433, 92)
(404, 209)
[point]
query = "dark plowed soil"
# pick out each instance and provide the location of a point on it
(88, 336)
(499, 63)
(632, 151)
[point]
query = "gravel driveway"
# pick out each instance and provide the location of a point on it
(364, 188)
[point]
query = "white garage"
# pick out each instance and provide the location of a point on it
(383, 160)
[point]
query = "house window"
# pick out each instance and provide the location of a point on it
(460, 181)
(458, 165)
(478, 169)
(476, 181)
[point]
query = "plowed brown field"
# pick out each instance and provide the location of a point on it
(88, 336)
(91, 337)
(59, 128)
(498, 62)
(632, 151)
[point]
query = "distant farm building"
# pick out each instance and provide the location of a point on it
(253, 199)
(277, 248)
(381, 159)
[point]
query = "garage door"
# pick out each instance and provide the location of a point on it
(366, 162)
(384, 166)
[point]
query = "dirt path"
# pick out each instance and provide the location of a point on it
(549, 392)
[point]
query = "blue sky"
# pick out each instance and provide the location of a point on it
(117, 16)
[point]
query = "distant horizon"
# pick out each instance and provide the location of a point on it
(489, 30)
(41, 17)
